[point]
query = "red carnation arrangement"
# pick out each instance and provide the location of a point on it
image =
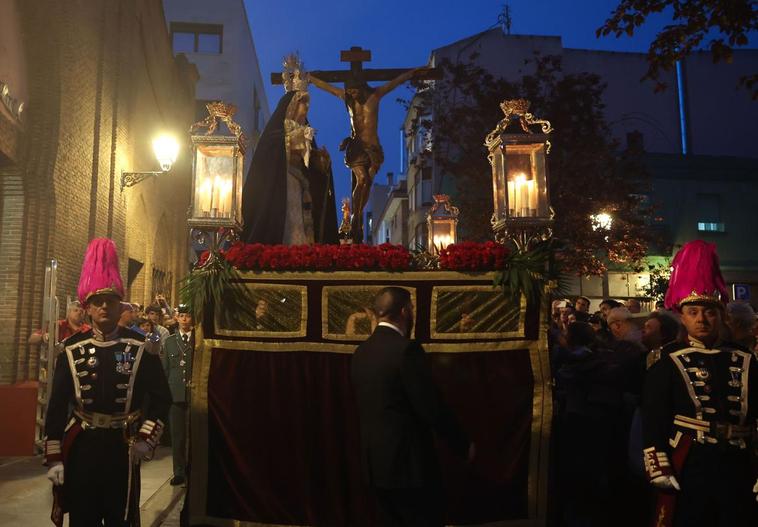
(259, 257)
(472, 256)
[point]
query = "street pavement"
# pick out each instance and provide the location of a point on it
(26, 496)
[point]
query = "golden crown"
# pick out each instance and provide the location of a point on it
(294, 76)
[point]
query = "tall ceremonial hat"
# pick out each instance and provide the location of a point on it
(696, 277)
(100, 272)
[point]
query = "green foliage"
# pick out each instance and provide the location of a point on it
(659, 281)
(217, 284)
(728, 22)
(526, 273)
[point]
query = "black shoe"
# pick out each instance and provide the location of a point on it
(177, 480)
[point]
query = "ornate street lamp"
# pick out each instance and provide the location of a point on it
(519, 177)
(217, 161)
(442, 222)
(601, 221)
(165, 148)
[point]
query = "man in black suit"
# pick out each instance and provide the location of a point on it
(400, 411)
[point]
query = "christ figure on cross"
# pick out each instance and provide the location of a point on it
(363, 152)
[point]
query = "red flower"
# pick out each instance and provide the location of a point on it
(466, 256)
(471, 256)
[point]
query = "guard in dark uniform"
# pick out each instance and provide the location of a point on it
(700, 406)
(177, 365)
(107, 406)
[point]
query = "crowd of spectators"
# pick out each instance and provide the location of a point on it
(599, 360)
(158, 317)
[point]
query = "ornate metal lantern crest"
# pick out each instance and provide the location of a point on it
(519, 177)
(442, 224)
(217, 162)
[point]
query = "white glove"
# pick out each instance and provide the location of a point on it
(665, 482)
(755, 489)
(55, 473)
(142, 451)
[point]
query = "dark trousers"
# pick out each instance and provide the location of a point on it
(178, 422)
(716, 489)
(420, 507)
(96, 474)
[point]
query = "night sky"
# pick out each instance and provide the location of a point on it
(402, 33)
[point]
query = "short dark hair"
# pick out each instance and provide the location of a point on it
(669, 325)
(580, 334)
(611, 303)
(390, 301)
(153, 308)
(583, 298)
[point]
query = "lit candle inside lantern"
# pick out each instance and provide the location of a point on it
(520, 195)
(204, 197)
(442, 240)
(225, 194)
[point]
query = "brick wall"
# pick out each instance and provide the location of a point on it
(102, 82)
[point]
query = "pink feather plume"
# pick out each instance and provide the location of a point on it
(100, 271)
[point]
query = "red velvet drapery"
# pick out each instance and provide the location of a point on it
(283, 437)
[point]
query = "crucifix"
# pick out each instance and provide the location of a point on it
(363, 152)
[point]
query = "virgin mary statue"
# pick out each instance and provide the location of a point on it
(288, 196)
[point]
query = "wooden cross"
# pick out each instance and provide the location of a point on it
(356, 56)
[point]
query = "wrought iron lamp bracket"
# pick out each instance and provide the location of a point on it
(129, 179)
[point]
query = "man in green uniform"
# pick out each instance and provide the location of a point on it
(177, 365)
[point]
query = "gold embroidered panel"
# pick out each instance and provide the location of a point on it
(347, 311)
(280, 311)
(473, 312)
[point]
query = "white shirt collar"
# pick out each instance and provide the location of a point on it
(393, 326)
(182, 333)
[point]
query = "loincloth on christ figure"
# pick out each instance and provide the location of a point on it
(358, 153)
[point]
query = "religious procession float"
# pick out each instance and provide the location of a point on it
(284, 302)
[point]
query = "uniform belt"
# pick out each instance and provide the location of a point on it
(723, 431)
(98, 420)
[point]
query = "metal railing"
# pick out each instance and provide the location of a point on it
(50, 312)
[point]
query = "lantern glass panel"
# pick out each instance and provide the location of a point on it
(215, 172)
(526, 182)
(443, 233)
(498, 183)
(239, 162)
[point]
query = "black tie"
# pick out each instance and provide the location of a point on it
(185, 338)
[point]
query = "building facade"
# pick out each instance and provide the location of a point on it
(88, 85)
(216, 37)
(392, 221)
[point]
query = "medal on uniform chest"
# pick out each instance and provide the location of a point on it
(736, 374)
(92, 351)
(703, 374)
(92, 362)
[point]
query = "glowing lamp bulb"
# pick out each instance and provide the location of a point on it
(166, 149)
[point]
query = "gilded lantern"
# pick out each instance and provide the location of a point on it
(217, 162)
(522, 210)
(442, 223)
